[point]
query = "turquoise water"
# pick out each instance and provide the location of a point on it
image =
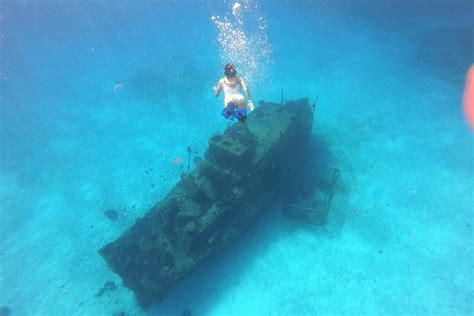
(98, 99)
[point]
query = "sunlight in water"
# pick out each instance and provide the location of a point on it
(243, 40)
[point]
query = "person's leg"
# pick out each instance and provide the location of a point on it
(235, 106)
(241, 112)
(241, 115)
(228, 111)
(242, 104)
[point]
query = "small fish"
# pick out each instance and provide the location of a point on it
(117, 87)
(177, 160)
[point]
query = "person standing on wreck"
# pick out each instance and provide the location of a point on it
(234, 101)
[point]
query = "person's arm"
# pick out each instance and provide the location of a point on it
(217, 88)
(247, 93)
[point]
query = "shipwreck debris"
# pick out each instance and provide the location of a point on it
(229, 189)
(312, 201)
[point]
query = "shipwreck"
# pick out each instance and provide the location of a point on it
(243, 170)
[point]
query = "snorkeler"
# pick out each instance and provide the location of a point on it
(234, 101)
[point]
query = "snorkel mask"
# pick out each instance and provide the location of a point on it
(229, 70)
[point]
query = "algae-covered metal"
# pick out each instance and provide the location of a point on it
(212, 204)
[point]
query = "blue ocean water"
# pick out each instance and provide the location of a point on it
(99, 99)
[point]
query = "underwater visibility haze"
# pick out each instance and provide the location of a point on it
(107, 109)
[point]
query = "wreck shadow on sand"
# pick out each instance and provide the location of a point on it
(223, 270)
